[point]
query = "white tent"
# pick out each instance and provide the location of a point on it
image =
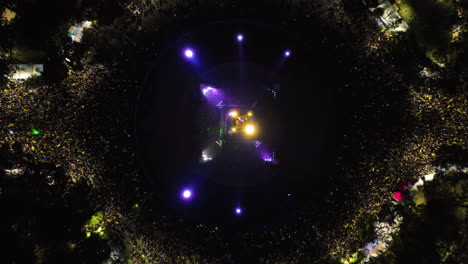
(389, 17)
(24, 71)
(76, 32)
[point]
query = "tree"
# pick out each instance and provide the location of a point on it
(44, 217)
(5, 51)
(436, 233)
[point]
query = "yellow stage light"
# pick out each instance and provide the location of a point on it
(250, 113)
(233, 114)
(233, 129)
(249, 129)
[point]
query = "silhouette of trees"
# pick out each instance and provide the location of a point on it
(435, 233)
(43, 215)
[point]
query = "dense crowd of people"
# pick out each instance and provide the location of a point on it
(83, 125)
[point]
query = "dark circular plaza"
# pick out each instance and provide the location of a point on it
(290, 97)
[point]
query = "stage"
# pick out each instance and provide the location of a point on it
(185, 124)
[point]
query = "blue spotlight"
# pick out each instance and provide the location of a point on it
(240, 38)
(186, 194)
(287, 53)
(189, 53)
(238, 211)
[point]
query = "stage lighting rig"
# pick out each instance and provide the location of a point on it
(249, 129)
(242, 122)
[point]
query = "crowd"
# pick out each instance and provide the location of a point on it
(432, 121)
(84, 127)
